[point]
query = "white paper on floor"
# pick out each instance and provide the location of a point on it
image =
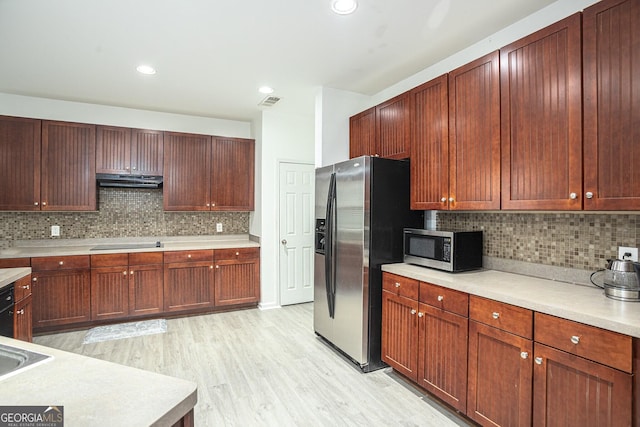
(125, 330)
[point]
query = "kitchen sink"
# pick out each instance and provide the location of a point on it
(121, 246)
(14, 360)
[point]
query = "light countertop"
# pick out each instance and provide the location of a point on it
(10, 275)
(60, 247)
(97, 393)
(581, 303)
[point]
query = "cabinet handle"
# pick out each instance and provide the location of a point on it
(575, 339)
(413, 311)
(44, 203)
(451, 199)
(397, 285)
(589, 195)
(524, 355)
(21, 311)
(131, 272)
(495, 314)
(35, 279)
(208, 205)
(213, 204)
(217, 266)
(420, 314)
(443, 200)
(440, 297)
(61, 263)
(238, 253)
(189, 256)
(26, 286)
(538, 360)
(35, 203)
(124, 272)
(211, 267)
(573, 196)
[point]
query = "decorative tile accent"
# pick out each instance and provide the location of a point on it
(574, 240)
(122, 213)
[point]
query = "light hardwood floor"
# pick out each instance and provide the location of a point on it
(267, 368)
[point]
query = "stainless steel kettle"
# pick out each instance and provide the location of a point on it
(621, 280)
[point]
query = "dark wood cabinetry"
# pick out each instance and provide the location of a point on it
(430, 145)
(68, 167)
(20, 163)
(146, 277)
(23, 310)
(237, 276)
(393, 127)
(126, 151)
(202, 173)
(541, 119)
(188, 280)
(362, 133)
(61, 291)
(474, 135)
(611, 59)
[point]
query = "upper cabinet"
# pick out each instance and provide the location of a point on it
(383, 130)
(430, 145)
(611, 55)
(474, 135)
(20, 164)
(126, 151)
(542, 119)
(204, 173)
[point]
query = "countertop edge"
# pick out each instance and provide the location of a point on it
(10, 275)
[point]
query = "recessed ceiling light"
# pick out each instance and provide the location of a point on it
(344, 7)
(266, 90)
(146, 69)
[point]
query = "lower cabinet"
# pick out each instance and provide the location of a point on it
(23, 310)
(237, 276)
(188, 280)
(146, 278)
(61, 290)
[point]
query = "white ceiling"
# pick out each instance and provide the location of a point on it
(212, 55)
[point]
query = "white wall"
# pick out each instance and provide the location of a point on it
(51, 109)
(290, 138)
(547, 16)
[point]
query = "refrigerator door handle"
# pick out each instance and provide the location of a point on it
(329, 246)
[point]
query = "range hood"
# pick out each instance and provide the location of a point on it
(128, 181)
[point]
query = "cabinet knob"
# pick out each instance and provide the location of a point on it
(213, 204)
(211, 267)
(36, 203)
(208, 205)
(440, 297)
(124, 272)
(61, 263)
(495, 314)
(397, 285)
(217, 266)
(44, 203)
(35, 279)
(573, 196)
(575, 339)
(443, 200)
(451, 199)
(421, 314)
(238, 253)
(134, 168)
(413, 311)
(21, 311)
(189, 256)
(131, 272)
(524, 354)
(589, 195)
(26, 286)
(538, 360)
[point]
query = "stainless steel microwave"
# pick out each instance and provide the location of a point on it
(445, 250)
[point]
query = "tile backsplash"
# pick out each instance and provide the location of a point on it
(573, 240)
(121, 213)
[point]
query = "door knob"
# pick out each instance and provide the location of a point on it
(284, 241)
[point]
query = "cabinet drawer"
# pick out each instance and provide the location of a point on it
(188, 256)
(602, 346)
(109, 260)
(145, 258)
(400, 285)
(445, 299)
(60, 262)
(237, 253)
(15, 262)
(507, 317)
(22, 288)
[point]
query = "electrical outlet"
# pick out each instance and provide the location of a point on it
(55, 231)
(623, 250)
(219, 228)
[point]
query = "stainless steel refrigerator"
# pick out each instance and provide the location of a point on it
(362, 206)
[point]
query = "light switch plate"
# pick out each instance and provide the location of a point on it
(219, 227)
(623, 250)
(55, 231)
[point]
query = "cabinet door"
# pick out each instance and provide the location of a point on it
(442, 356)
(188, 285)
(232, 172)
(22, 320)
(113, 150)
(237, 282)
(393, 127)
(362, 133)
(20, 164)
(430, 146)
(571, 391)
(109, 292)
(61, 297)
(147, 152)
(611, 105)
(68, 166)
(145, 289)
(541, 119)
(500, 377)
(474, 135)
(187, 179)
(400, 334)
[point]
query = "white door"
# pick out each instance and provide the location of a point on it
(297, 232)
